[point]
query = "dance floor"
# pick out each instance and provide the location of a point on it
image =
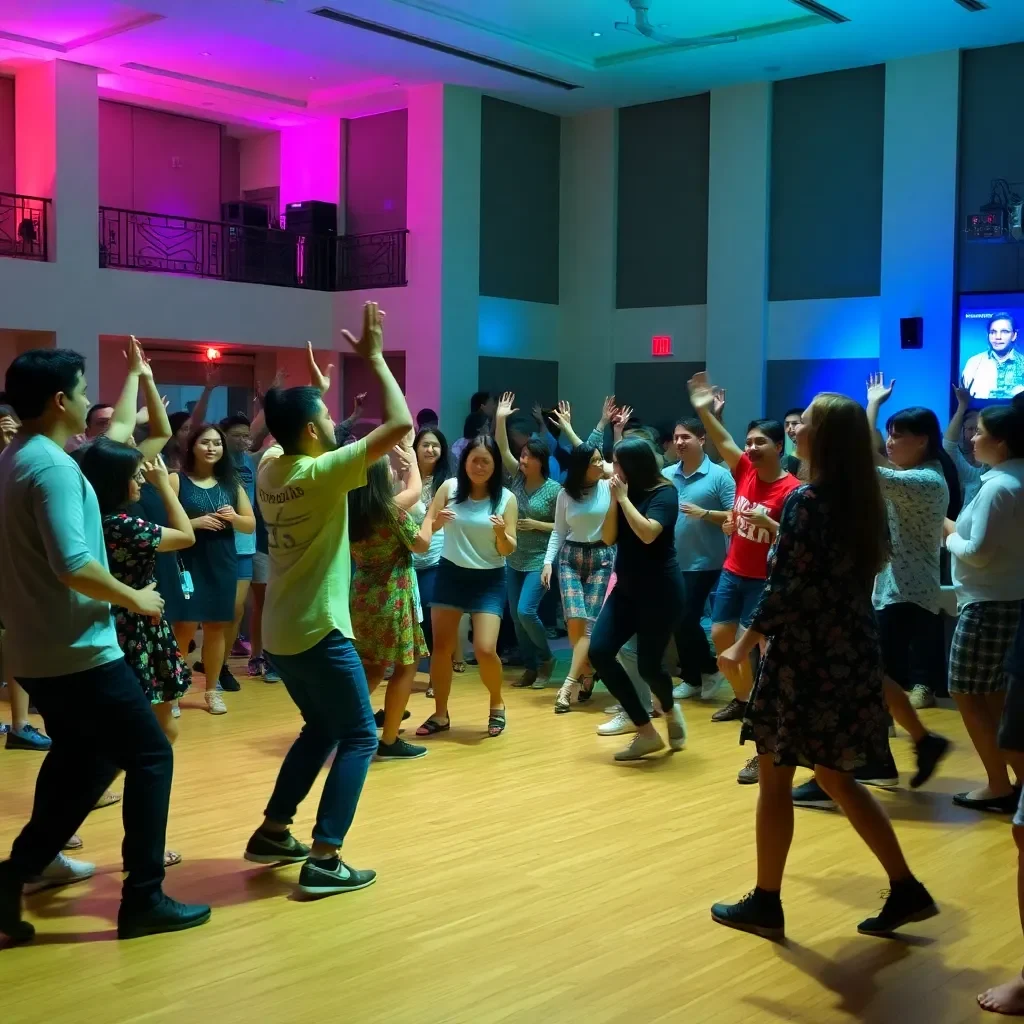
(524, 879)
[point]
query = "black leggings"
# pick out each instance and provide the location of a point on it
(653, 624)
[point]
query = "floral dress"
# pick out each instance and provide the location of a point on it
(149, 647)
(818, 697)
(383, 596)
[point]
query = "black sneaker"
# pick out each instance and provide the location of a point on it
(378, 718)
(905, 902)
(810, 794)
(930, 751)
(399, 751)
(732, 712)
(11, 924)
(275, 848)
(327, 877)
(227, 681)
(166, 915)
(883, 775)
(758, 912)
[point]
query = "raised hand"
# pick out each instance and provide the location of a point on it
(963, 395)
(212, 376)
(702, 395)
(317, 377)
(878, 390)
(622, 416)
(155, 472)
(357, 405)
(142, 416)
(608, 409)
(505, 409)
(371, 341)
(560, 416)
(538, 414)
(404, 456)
(718, 405)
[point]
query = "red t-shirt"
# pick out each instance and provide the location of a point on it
(748, 551)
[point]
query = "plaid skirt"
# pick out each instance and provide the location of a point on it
(981, 641)
(583, 574)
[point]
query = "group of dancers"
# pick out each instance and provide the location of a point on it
(822, 568)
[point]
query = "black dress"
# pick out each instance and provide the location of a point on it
(212, 561)
(150, 507)
(818, 697)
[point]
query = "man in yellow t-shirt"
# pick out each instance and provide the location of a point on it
(302, 488)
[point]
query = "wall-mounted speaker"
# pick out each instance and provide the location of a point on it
(912, 332)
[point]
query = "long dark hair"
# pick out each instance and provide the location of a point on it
(443, 467)
(372, 505)
(539, 450)
(494, 484)
(109, 466)
(576, 470)
(842, 467)
(639, 462)
(224, 471)
(922, 422)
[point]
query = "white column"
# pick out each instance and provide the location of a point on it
(739, 189)
(440, 325)
(588, 216)
(312, 165)
(57, 145)
(919, 206)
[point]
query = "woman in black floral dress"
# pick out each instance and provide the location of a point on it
(818, 700)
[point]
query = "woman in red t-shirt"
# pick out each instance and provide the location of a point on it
(762, 486)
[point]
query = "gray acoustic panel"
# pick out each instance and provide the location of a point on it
(375, 172)
(520, 154)
(656, 390)
(531, 380)
(792, 383)
(826, 188)
(662, 248)
(991, 146)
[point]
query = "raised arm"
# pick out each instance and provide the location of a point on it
(703, 400)
(122, 422)
(878, 394)
(437, 515)
(561, 416)
(156, 413)
(412, 482)
(956, 423)
(504, 410)
(397, 420)
(179, 533)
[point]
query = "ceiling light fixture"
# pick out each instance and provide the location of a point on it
(312, 78)
(596, 35)
(205, 53)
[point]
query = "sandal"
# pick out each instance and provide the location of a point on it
(74, 843)
(496, 722)
(107, 800)
(171, 858)
(431, 727)
(430, 693)
(587, 684)
(458, 667)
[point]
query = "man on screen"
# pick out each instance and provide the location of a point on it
(999, 372)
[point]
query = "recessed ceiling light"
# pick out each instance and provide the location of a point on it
(596, 35)
(312, 78)
(397, 85)
(205, 53)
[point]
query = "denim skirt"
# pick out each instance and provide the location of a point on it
(469, 590)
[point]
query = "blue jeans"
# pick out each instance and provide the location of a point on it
(328, 685)
(525, 594)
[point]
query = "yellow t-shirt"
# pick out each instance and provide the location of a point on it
(304, 502)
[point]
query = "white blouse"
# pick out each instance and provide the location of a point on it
(469, 538)
(579, 521)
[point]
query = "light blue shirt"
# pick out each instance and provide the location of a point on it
(701, 545)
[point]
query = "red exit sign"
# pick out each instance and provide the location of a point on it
(661, 345)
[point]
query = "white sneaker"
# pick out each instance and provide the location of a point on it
(60, 871)
(684, 691)
(175, 710)
(711, 684)
(642, 745)
(617, 726)
(676, 728)
(613, 709)
(568, 692)
(215, 703)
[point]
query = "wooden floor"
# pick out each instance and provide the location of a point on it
(521, 879)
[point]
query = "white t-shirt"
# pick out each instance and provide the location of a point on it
(579, 521)
(469, 539)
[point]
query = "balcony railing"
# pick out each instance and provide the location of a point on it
(23, 226)
(134, 240)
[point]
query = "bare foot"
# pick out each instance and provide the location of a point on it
(1007, 998)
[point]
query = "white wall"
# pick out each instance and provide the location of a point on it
(259, 159)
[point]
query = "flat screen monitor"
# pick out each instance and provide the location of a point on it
(991, 349)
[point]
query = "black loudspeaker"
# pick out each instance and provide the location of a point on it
(251, 215)
(912, 332)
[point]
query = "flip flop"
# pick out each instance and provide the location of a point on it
(458, 667)
(107, 800)
(171, 858)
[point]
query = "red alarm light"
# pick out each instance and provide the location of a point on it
(661, 345)
(213, 354)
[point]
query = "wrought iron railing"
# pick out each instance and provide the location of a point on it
(23, 226)
(134, 240)
(372, 261)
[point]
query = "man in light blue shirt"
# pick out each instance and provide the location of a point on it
(706, 495)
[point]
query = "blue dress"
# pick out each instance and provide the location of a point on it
(212, 561)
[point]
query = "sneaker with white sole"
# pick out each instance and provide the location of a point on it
(175, 709)
(921, 697)
(710, 684)
(327, 877)
(566, 695)
(676, 728)
(750, 773)
(684, 691)
(617, 726)
(642, 745)
(215, 703)
(810, 794)
(60, 871)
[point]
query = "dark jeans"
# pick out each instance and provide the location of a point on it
(99, 722)
(653, 622)
(328, 685)
(913, 647)
(425, 582)
(525, 594)
(695, 655)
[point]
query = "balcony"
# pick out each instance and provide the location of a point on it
(154, 242)
(23, 226)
